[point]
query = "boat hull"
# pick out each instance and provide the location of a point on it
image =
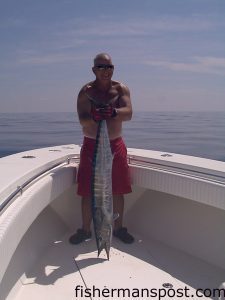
(178, 232)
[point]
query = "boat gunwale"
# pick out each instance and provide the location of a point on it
(135, 161)
(174, 164)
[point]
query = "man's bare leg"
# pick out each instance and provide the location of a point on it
(119, 231)
(118, 208)
(84, 233)
(86, 213)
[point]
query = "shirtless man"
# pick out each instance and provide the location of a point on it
(103, 99)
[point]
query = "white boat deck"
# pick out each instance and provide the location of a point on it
(176, 199)
(142, 265)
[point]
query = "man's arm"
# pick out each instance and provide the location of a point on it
(124, 112)
(84, 109)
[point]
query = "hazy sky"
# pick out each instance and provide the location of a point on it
(171, 53)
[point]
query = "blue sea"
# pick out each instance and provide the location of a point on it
(192, 133)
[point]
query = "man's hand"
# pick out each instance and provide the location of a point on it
(103, 113)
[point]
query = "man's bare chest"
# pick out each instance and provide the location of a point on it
(103, 99)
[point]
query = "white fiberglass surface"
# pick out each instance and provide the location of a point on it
(145, 268)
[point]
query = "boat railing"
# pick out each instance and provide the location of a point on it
(175, 169)
(22, 187)
(133, 160)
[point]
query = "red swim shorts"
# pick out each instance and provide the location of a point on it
(121, 183)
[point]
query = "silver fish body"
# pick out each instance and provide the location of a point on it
(102, 198)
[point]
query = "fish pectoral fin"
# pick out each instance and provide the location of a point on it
(115, 216)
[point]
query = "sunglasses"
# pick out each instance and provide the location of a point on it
(104, 67)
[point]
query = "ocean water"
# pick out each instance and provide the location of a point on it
(192, 133)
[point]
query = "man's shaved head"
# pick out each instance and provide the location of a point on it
(101, 56)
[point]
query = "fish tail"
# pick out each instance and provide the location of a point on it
(106, 247)
(107, 251)
(99, 251)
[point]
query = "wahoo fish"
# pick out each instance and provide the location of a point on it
(101, 189)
